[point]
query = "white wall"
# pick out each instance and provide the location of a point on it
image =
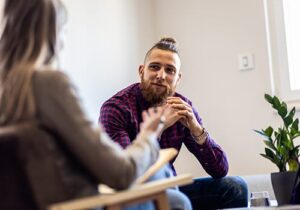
(103, 45)
(107, 40)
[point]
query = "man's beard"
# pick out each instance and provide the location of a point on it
(152, 96)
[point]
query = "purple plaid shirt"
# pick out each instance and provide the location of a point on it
(121, 117)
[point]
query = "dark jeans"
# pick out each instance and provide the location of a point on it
(209, 193)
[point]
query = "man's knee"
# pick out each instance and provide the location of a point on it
(235, 187)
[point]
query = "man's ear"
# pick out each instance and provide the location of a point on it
(141, 70)
(179, 78)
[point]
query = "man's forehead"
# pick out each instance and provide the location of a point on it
(158, 55)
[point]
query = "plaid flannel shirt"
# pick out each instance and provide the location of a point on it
(121, 117)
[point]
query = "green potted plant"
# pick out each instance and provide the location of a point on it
(280, 145)
(281, 148)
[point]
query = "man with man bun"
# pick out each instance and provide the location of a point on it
(121, 116)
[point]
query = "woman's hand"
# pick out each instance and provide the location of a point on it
(153, 120)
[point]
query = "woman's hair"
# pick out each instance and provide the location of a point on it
(165, 43)
(29, 36)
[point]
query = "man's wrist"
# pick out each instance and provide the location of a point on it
(198, 132)
(200, 138)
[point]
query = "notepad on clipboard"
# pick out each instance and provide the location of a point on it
(165, 156)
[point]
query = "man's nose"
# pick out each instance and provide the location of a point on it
(161, 74)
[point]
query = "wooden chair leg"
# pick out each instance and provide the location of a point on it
(161, 201)
(113, 207)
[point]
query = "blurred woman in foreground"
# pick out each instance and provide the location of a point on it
(31, 91)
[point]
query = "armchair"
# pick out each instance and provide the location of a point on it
(155, 190)
(31, 177)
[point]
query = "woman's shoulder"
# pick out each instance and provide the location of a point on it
(51, 83)
(49, 75)
(50, 78)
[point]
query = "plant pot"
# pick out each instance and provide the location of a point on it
(283, 183)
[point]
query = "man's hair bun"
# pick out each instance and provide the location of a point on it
(165, 43)
(168, 39)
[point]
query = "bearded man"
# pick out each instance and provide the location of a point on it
(121, 116)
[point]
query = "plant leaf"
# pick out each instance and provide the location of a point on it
(285, 140)
(294, 127)
(269, 98)
(269, 131)
(292, 112)
(295, 124)
(288, 121)
(270, 153)
(278, 137)
(271, 159)
(270, 144)
(263, 134)
(296, 135)
(276, 103)
(283, 152)
(277, 162)
(293, 132)
(293, 164)
(294, 153)
(282, 110)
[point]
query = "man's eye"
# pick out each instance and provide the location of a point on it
(154, 67)
(170, 71)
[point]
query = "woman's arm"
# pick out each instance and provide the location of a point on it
(58, 109)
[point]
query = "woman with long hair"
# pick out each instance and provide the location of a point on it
(32, 91)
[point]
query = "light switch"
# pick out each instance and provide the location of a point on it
(246, 61)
